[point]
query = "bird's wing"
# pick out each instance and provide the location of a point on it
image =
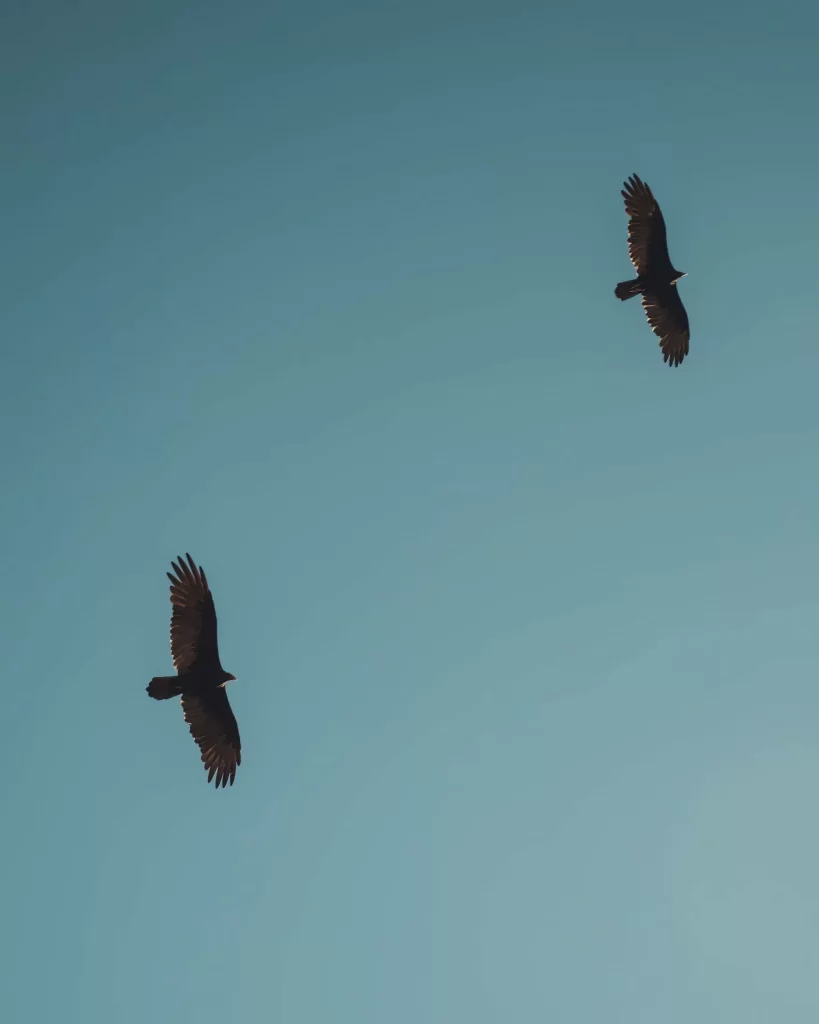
(669, 321)
(647, 244)
(213, 726)
(193, 619)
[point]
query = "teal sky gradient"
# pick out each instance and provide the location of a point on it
(524, 622)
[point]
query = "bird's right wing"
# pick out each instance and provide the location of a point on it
(647, 242)
(213, 726)
(193, 619)
(669, 321)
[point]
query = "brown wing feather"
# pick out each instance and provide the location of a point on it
(646, 227)
(193, 619)
(669, 321)
(214, 728)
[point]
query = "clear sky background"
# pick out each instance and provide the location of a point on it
(524, 621)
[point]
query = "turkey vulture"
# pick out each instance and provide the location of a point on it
(657, 278)
(200, 679)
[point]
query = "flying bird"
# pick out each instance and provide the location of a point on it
(656, 278)
(200, 679)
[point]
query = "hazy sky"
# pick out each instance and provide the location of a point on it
(524, 621)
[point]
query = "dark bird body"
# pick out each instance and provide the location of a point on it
(657, 278)
(200, 679)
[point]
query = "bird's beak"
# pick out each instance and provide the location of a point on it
(230, 678)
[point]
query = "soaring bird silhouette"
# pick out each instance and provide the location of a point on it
(657, 278)
(200, 679)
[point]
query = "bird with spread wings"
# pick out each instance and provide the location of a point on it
(200, 679)
(657, 278)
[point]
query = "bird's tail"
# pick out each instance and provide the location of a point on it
(163, 687)
(626, 289)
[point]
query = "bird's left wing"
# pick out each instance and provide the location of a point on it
(193, 620)
(669, 321)
(647, 244)
(213, 726)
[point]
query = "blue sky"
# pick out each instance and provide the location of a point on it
(523, 621)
